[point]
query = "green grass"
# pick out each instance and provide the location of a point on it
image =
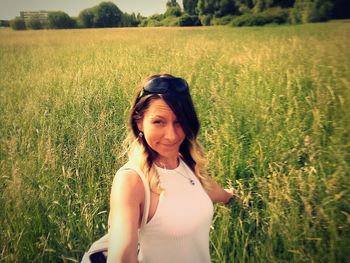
(274, 107)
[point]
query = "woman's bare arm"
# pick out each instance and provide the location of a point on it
(127, 195)
(220, 195)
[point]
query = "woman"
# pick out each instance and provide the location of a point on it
(164, 129)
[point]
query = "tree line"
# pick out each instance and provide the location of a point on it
(196, 13)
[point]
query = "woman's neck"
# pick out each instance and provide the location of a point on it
(167, 163)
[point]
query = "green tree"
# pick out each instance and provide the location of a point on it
(86, 17)
(306, 11)
(171, 3)
(108, 15)
(244, 6)
(130, 20)
(173, 9)
(190, 6)
(34, 22)
(322, 10)
(225, 7)
(217, 8)
(261, 5)
(60, 20)
(256, 6)
(18, 23)
(206, 7)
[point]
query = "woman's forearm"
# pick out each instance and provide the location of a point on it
(220, 195)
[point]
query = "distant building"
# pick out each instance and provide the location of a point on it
(42, 15)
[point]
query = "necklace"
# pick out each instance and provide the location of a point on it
(189, 179)
(192, 182)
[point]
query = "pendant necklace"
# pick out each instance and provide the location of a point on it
(191, 181)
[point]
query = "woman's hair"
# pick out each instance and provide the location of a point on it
(190, 150)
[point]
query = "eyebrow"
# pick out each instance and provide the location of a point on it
(157, 116)
(161, 117)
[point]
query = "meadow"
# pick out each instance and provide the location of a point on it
(274, 109)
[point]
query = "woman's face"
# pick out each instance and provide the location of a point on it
(162, 130)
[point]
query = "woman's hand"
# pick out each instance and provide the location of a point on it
(221, 195)
(232, 195)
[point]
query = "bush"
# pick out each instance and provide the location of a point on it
(34, 22)
(185, 20)
(188, 20)
(269, 16)
(143, 23)
(18, 24)
(170, 21)
(158, 17)
(150, 23)
(225, 20)
(4, 23)
(276, 15)
(205, 20)
(60, 20)
(154, 20)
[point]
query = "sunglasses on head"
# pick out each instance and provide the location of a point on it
(162, 85)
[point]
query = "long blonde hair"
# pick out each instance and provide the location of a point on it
(191, 152)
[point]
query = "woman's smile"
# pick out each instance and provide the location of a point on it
(170, 145)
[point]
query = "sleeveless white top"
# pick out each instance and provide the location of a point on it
(179, 230)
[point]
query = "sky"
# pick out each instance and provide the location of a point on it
(9, 9)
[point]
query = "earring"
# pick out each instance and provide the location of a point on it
(141, 134)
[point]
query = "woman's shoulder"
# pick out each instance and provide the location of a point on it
(128, 176)
(130, 170)
(127, 183)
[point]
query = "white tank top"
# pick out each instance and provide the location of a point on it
(179, 230)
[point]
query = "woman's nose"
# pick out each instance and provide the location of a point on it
(170, 133)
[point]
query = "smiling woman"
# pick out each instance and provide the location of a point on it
(163, 145)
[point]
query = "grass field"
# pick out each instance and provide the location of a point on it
(274, 108)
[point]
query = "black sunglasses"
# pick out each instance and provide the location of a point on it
(162, 85)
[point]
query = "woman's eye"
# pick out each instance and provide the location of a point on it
(158, 122)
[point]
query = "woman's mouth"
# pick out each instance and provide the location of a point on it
(169, 145)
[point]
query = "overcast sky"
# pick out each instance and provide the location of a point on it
(10, 8)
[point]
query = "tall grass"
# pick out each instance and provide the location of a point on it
(274, 108)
